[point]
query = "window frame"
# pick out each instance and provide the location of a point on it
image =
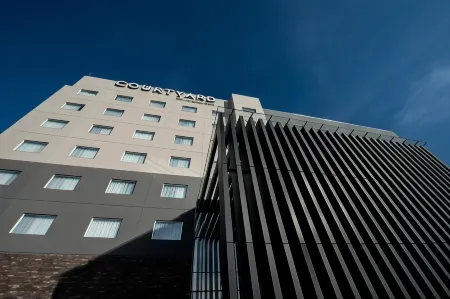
(181, 229)
(92, 220)
(23, 141)
(57, 120)
(170, 184)
(129, 181)
(183, 158)
(159, 117)
(120, 95)
(159, 102)
(123, 111)
(186, 120)
(18, 172)
(94, 125)
(62, 175)
(87, 90)
(196, 109)
(175, 137)
(86, 147)
(125, 152)
(153, 135)
(23, 215)
(81, 108)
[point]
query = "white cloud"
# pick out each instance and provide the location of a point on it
(428, 102)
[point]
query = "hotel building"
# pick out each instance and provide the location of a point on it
(110, 189)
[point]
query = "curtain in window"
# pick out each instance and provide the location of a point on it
(101, 130)
(32, 146)
(174, 191)
(70, 106)
(120, 187)
(103, 228)
(189, 109)
(167, 230)
(55, 124)
(88, 93)
(150, 117)
(85, 152)
(180, 162)
(113, 112)
(143, 135)
(183, 140)
(186, 123)
(124, 99)
(7, 176)
(33, 224)
(63, 182)
(158, 104)
(134, 157)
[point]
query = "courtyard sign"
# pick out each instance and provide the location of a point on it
(179, 94)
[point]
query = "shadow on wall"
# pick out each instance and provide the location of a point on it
(140, 268)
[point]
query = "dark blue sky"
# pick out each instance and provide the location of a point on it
(383, 64)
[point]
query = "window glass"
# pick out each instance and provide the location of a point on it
(8, 176)
(167, 230)
(184, 140)
(88, 93)
(31, 146)
(121, 187)
(55, 123)
(62, 182)
(85, 152)
(174, 191)
(103, 228)
(32, 224)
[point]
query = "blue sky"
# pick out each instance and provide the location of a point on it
(383, 64)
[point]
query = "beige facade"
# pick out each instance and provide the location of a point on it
(61, 142)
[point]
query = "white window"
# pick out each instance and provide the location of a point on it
(131, 157)
(120, 187)
(158, 104)
(8, 176)
(54, 123)
(33, 224)
(174, 191)
(31, 146)
(151, 117)
(179, 162)
(113, 112)
(84, 152)
(124, 99)
(102, 130)
(103, 228)
(250, 110)
(186, 123)
(73, 106)
(184, 140)
(88, 93)
(189, 109)
(138, 134)
(62, 182)
(167, 230)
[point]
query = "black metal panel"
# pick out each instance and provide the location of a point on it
(305, 213)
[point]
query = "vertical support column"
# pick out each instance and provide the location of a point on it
(227, 256)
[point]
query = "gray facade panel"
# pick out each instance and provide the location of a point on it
(75, 209)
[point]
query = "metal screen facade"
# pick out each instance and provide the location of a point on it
(308, 213)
